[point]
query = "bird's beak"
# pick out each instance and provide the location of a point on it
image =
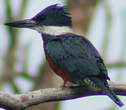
(29, 23)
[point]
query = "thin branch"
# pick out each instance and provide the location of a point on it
(23, 101)
(116, 65)
(108, 26)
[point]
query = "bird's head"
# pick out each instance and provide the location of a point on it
(54, 19)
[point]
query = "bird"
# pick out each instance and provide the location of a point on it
(71, 56)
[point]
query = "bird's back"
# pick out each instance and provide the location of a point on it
(76, 55)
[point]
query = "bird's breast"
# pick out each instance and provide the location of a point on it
(59, 71)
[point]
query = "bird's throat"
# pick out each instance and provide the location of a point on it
(54, 30)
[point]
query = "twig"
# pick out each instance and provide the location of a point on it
(116, 65)
(23, 101)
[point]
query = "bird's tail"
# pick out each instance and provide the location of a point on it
(105, 88)
(113, 96)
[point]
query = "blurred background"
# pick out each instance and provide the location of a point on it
(23, 66)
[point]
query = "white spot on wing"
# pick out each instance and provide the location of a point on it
(90, 83)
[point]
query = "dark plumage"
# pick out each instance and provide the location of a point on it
(76, 55)
(51, 13)
(80, 59)
(72, 57)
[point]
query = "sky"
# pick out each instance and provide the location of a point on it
(95, 33)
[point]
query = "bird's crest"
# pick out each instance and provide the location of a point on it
(55, 10)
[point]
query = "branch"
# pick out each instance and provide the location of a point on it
(23, 101)
(116, 65)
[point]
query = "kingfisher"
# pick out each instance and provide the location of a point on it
(71, 56)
